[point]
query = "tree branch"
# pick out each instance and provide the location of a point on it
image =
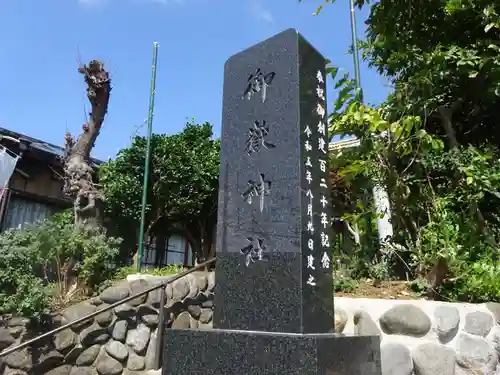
(78, 171)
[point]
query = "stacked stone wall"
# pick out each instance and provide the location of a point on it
(418, 337)
(426, 337)
(119, 341)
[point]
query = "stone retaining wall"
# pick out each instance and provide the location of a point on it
(417, 337)
(120, 341)
(425, 337)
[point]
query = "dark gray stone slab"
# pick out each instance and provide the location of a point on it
(271, 296)
(226, 352)
(273, 191)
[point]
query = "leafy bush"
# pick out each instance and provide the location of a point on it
(53, 252)
(171, 269)
(167, 271)
(21, 293)
(344, 284)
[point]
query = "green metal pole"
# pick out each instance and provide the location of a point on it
(147, 160)
(359, 93)
(355, 50)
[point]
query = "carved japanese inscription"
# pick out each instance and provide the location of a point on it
(257, 140)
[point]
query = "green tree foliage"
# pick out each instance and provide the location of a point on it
(443, 59)
(433, 143)
(43, 266)
(182, 194)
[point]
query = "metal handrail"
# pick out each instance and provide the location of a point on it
(161, 318)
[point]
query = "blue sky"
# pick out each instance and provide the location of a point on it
(43, 95)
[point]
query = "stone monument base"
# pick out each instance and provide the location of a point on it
(230, 352)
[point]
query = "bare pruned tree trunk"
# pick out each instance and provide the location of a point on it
(79, 184)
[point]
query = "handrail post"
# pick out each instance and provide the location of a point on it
(160, 330)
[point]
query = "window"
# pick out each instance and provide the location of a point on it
(175, 250)
(22, 212)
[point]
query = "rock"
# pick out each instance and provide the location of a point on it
(104, 318)
(199, 299)
(447, 322)
(495, 310)
(82, 371)
(138, 286)
(169, 292)
(182, 321)
(150, 358)
(206, 315)
(194, 310)
(135, 362)
(202, 281)
(120, 330)
(193, 323)
(73, 354)
(193, 285)
(96, 301)
(476, 353)
(13, 371)
(20, 359)
(340, 320)
(61, 370)
(107, 365)
(175, 307)
(6, 339)
(117, 350)
(59, 320)
(150, 320)
(148, 315)
(396, 359)
(430, 358)
(211, 281)
(126, 371)
(115, 293)
(65, 340)
(405, 319)
(94, 334)
(154, 298)
(88, 356)
(15, 331)
(125, 311)
(478, 323)
(138, 338)
(47, 361)
(364, 324)
(208, 303)
(18, 322)
(459, 370)
(79, 311)
(180, 289)
(205, 326)
(494, 337)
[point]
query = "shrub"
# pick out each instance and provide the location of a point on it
(21, 293)
(52, 252)
(171, 269)
(345, 285)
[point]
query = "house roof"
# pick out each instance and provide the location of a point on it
(40, 145)
(344, 143)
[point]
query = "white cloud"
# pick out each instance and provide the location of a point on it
(260, 11)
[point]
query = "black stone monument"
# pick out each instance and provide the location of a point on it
(274, 292)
